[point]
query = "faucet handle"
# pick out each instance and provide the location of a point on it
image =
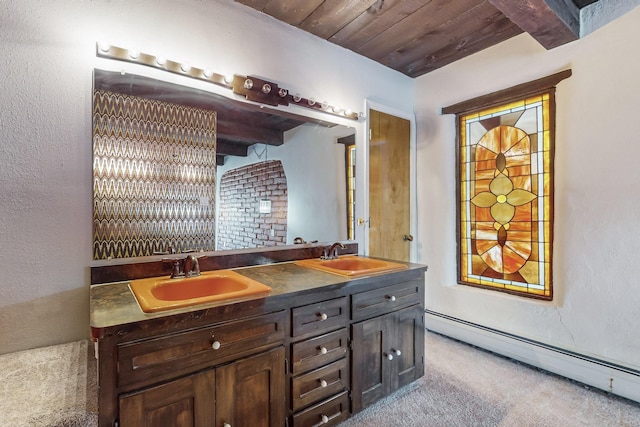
(175, 267)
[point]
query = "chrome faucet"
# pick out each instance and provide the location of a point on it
(332, 252)
(188, 267)
(191, 266)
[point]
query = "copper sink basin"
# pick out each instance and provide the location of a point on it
(352, 265)
(163, 293)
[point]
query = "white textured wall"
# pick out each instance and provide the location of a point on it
(48, 53)
(596, 308)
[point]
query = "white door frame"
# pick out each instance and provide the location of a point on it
(363, 159)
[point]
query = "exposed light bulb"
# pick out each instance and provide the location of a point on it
(248, 84)
(282, 92)
(160, 60)
(228, 78)
(208, 72)
(134, 54)
(185, 67)
(266, 88)
(297, 97)
(312, 101)
(324, 105)
(104, 46)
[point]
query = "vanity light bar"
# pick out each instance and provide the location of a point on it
(104, 50)
(252, 88)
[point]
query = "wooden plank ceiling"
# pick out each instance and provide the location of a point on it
(415, 37)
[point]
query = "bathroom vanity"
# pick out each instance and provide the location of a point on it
(318, 348)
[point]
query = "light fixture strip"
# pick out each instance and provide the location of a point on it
(121, 54)
(280, 97)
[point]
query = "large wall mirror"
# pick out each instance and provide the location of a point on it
(177, 169)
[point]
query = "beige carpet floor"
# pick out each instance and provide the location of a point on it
(49, 386)
(465, 386)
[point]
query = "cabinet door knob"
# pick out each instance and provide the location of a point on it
(323, 350)
(389, 356)
(323, 316)
(325, 419)
(397, 352)
(216, 345)
(323, 383)
(391, 297)
(226, 425)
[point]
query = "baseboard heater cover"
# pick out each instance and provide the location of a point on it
(610, 377)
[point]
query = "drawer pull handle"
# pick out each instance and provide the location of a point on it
(391, 298)
(323, 316)
(216, 346)
(389, 356)
(325, 419)
(323, 383)
(323, 350)
(397, 352)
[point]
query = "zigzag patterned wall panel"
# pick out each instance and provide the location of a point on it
(154, 176)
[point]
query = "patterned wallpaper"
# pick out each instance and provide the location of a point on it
(153, 176)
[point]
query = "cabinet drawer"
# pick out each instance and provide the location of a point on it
(319, 351)
(328, 413)
(319, 384)
(166, 357)
(384, 300)
(320, 317)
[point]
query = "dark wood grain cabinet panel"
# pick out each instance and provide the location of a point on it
(150, 361)
(186, 402)
(320, 317)
(250, 392)
(328, 413)
(387, 353)
(318, 351)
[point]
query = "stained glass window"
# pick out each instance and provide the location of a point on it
(505, 196)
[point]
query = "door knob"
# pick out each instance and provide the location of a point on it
(407, 238)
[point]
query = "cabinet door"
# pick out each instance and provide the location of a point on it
(407, 347)
(251, 391)
(187, 402)
(369, 363)
(387, 353)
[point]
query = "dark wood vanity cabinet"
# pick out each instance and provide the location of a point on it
(247, 392)
(301, 359)
(226, 374)
(387, 350)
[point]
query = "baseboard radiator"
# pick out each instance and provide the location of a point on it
(619, 380)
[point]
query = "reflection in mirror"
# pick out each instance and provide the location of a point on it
(156, 148)
(309, 168)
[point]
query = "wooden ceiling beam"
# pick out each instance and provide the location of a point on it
(228, 147)
(551, 22)
(248, 133)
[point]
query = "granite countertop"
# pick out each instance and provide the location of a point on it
(113, 304)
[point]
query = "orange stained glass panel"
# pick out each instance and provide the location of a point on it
(510, 209)
(483, 214)
(521, 181)
(483, 153)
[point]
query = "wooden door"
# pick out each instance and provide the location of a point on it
(369, 364)
(250, 392)
(389, 186)
(187, 402)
